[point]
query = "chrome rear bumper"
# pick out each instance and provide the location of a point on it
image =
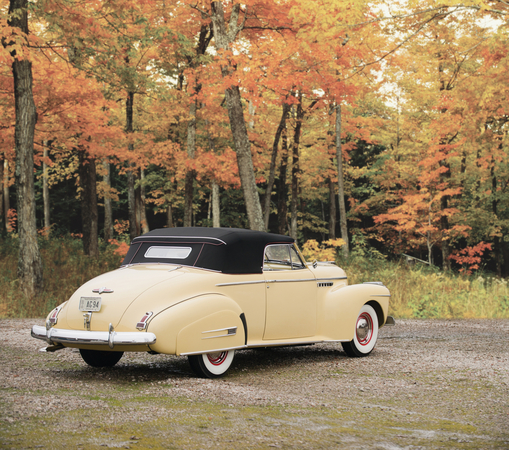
(110, 338)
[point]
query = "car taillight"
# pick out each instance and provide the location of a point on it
(53, 316)
(142, 324)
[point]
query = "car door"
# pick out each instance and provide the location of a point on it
(290, 294)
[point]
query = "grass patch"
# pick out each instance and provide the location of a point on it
(417, 291)
(428, 293)
(65, 268)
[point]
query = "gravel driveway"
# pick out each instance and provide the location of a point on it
(428, 384)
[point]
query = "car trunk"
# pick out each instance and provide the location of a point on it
(116, 290)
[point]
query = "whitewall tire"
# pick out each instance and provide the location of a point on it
(366, 333)
(211, 365)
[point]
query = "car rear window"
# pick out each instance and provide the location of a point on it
(166, 252)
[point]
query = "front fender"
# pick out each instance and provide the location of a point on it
(201, 324)
(341, 309)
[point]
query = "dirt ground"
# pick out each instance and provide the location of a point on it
(428, 384)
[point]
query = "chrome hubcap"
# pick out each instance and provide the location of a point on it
(217, 358)
(364, 328)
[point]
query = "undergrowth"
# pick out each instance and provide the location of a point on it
(426, 292)
(417, 291)
(65, 269)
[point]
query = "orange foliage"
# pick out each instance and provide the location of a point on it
(120, 248)
(470, 257)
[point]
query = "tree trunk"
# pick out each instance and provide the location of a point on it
(144, 221)
(108, 213)
(272, 174)
(282, 195)
(341, 185)
(131, 178)
(89, 213)
(332, 210)
(444, 220)
(223, 39)
(494, 205)
(3, 215)
(45, 193)
(296, 168)
(190, 174)
(6, 195)
(139, 203)
(169, 216)
(216, 208)
(29, 259)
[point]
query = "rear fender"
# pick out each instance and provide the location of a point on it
(198, 325)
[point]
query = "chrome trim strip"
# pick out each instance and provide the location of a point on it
(291, 281)
(283, 344)
(214, 351)
(231, 331)
(164, 238)
(111, 337)
(332, 279)
(126, 266)
(380, 295)
(240, 283)
(220, 336)
(220, 329)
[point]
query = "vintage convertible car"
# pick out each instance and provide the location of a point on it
(207, 292)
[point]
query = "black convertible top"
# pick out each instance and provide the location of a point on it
(227, 250)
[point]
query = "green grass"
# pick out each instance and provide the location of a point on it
(427, 292)
(417, 291)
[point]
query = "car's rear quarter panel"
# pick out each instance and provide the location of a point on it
(187, 326)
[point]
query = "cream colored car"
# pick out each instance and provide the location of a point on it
(208, 292)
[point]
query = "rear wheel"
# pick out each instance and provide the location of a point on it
(366, 333)
(211, 365)
(100, 358)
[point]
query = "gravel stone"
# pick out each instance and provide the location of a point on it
(427, 384)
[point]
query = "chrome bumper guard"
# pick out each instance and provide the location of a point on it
(110, 338)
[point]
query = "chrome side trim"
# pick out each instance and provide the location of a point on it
(110, 338)
(380, 295)
(220, 329)
(283, 344)
(291, 281)
(240, 283)
(332, 279)
(214, 351)
(231, 331)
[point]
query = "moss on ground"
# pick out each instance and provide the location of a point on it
(180, 423)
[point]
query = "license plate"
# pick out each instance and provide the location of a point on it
(90, 303)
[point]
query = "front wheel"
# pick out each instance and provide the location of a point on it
(100, 358)
(211, 365)
(366, 333)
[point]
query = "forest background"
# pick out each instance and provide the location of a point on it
(380, 123)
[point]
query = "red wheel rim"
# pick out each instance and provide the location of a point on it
(364, 328)
(217, 359)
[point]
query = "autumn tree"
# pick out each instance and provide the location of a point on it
(29, 262)
(224, 36)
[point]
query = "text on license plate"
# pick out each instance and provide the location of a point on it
(90, 303)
